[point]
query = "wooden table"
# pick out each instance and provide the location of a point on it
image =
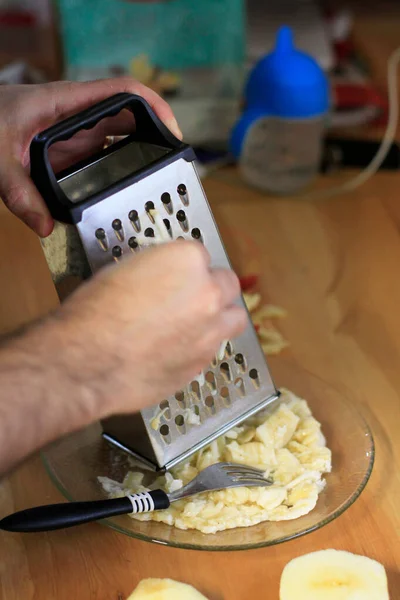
(335, 266)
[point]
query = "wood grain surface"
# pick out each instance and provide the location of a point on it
(334, 265)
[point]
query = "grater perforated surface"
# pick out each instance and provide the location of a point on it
(237, 383)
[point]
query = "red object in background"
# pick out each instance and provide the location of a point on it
(352, 97)
(339, 24)
(17, 18)
(248, 282)
(344, 49)
(358, 95)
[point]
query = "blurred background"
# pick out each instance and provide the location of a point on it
(199, 56)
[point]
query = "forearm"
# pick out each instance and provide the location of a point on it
(39, 400)
(115, 346)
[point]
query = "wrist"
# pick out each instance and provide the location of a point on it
(40, 359)
(108, 371)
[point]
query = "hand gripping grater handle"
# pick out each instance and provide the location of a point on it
(148, 128)
(109, 194)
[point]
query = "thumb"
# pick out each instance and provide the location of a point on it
(22, 198)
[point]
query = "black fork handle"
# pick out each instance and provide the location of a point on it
(70, 514)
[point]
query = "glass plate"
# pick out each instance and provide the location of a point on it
(75, 462)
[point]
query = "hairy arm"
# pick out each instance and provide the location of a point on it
(94, 356)
(39, 399)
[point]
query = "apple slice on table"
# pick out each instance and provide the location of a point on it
(333, 575)
(165, 589)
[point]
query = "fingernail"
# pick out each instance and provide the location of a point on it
(173, 126)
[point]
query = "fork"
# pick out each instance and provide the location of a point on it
(58, 516)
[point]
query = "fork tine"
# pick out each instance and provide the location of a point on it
(221, 476)
(253, 482)
(244, 469)
(244, 472)
(243, 477)
(235, 466)
(240, 466)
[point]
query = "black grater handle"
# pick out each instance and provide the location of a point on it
(70, 514)
(148, 128)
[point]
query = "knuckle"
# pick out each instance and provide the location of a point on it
(238, 323)
(235, 282)
(123, 83)
(195, 254)
(189, 257)
(126, 82)
(242, 319)
(14, 197)
(212, 299)
(231, 283)
(207, 348)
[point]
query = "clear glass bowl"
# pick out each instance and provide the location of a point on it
(75, 462)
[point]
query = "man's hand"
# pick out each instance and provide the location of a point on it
(141, 331)
(132, 335)
(25, 110)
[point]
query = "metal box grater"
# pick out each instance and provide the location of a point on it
(105, 211)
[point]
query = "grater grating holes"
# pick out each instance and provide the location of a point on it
(164, 406)
(254, 376)
(196, 234)
(182, 219)
(229, 349)
(118, 229)
(102, 238)
(211, 381)
(226, 398)
(149, 206)
(134, 219)
(132, 243)
(164, 430)
(195, 390)
(239, 385)
(167, 202)
(180, 398)
(210, 404)
(227, 378)
(220, 400)
(180, 424)
(179, 420)
(116, 252)
(241, 362)
(226, 371)
(182, 191)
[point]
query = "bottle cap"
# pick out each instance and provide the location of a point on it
(288, 82)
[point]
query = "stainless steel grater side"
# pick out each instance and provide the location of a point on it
(141, 191)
